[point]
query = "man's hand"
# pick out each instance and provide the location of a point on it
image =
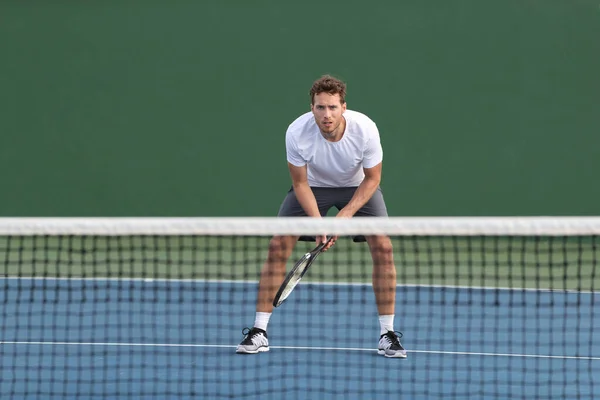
(323, 239)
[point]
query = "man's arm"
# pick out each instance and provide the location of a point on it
(304, 194)
(364, 192)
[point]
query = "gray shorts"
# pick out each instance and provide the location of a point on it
(328, 198)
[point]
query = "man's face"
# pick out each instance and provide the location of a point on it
(328, 109)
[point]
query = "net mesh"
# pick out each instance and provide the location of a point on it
(154, 309)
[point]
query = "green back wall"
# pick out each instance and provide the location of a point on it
(179, 108)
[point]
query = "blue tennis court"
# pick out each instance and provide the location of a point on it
(145, 339)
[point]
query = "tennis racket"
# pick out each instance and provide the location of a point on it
(296, 273)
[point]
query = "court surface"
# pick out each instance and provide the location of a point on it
(162, 339)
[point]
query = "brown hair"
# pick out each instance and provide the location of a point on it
(328, 84)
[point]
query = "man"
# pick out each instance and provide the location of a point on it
(334, 158)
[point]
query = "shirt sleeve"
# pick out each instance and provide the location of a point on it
(373, 153)
(293, 155)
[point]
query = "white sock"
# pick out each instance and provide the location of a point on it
(262, 320)
(387, 323)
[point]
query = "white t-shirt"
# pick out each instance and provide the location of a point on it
(334, 164)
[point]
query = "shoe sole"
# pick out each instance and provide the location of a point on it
(259, 350)
(395, 355)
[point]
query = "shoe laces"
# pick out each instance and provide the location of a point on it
(394, 337)
(250, 333)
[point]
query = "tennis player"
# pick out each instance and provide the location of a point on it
(334, 156)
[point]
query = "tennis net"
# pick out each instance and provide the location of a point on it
(153, 308)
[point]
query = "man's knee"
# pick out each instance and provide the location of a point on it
(280, 248)
(381, 249)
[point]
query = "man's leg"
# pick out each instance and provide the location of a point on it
(384, 270)
(384, 286)
(384, 273)
(271, 277)
(273, 271)
(273, 274)
(384, 278)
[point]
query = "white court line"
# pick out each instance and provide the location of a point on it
(461, 353)
(304, 283)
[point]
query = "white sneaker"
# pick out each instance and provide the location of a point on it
(255, 341)
(389, 345)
